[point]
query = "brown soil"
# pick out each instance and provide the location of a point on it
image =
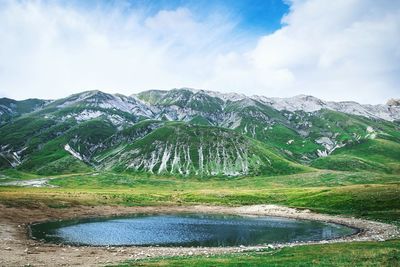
(17, 249)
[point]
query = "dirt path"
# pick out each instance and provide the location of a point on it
(16, 249)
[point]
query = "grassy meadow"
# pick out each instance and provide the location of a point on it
(369, 254)
(361, 194)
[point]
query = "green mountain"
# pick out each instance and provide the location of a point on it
(187, 132)
(10, 108)
(369, 154)
(187, 149)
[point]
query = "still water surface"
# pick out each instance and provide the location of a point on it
(185, 230)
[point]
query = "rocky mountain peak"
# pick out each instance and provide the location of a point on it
(393, 102)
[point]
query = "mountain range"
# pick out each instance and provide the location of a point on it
(188, 132)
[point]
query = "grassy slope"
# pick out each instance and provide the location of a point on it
(277, 132)
(350, 127)
(44, 140)
(17, 107)
(52, 158)
(261, 158)
(283, 129)
(372, 155)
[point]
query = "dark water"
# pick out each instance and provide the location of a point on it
(185, 230)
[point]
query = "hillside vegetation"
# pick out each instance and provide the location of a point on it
(184, 132)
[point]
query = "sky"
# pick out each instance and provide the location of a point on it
(335, 50)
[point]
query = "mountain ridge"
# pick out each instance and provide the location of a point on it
(98, 130)
(389, 111)
(301, 102)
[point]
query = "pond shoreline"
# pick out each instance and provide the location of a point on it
(17, 248)
(186, 229)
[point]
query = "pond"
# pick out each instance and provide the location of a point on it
(185, 230)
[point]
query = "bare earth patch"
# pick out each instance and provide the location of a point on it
(17, 249)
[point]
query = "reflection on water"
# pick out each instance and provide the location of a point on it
(185, 230)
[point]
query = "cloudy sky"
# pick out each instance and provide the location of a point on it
(335, 50)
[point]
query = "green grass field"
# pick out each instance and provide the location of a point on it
(346, 254)
(364, 194)
(361, 194)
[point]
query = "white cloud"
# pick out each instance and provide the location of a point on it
(339, 50)
(50, 51)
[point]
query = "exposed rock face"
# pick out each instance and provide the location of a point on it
(194, 150)
(203, 100)
(393, 102)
